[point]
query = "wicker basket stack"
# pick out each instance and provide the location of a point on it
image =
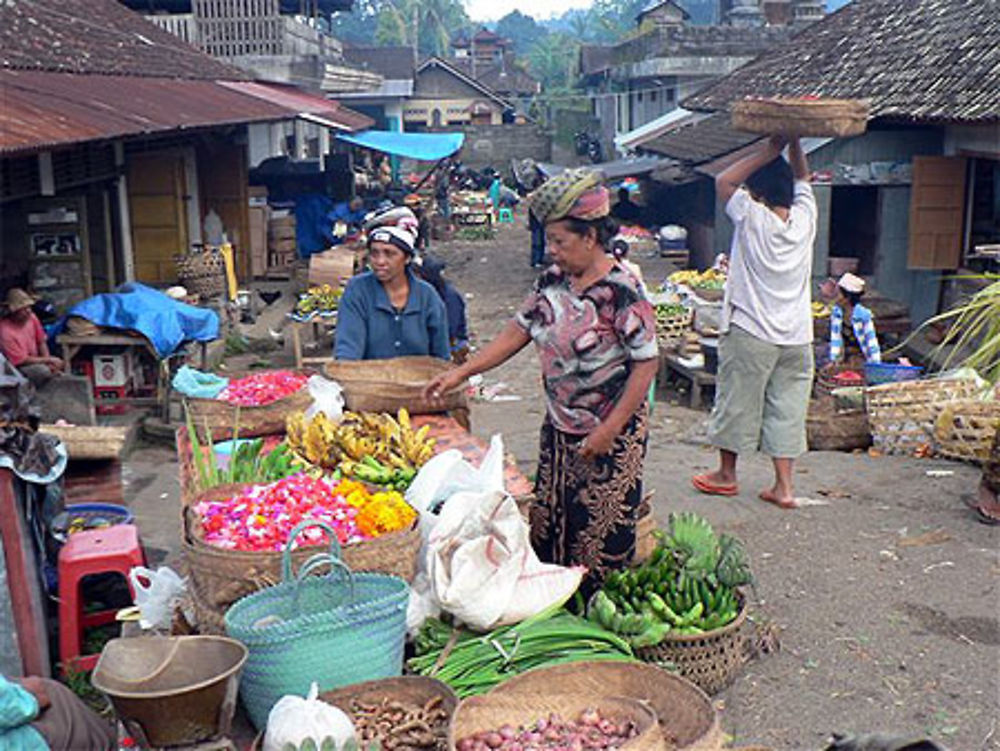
(202, 272)
(965, 429)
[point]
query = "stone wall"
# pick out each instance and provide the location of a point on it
(497, 145)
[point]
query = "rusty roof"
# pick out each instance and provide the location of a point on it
(43, 109)
(98, 36)
(302, 103)
(919, 60)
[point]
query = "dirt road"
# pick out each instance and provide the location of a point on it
(885, 598)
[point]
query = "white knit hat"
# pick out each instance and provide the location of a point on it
(851, 283)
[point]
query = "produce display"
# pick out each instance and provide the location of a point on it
(634, 231)
(588, 731)
(710, 279)
(322, 300)
(474, 663)
(248, 463)
(262, 516)
(401, 725)
(259, 389)
(374, 447)
(687, 586)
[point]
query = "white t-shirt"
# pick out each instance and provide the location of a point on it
(770, 268)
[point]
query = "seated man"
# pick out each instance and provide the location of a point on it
(626, 211)
(38, 713)
(22, 339)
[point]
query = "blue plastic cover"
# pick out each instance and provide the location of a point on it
(426, 147)
(164, 321)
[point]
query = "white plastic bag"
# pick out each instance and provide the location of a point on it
(327, 396)
(293, 719)
(482, 568)
(156, 594)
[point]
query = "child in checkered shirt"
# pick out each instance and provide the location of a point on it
(847, 306)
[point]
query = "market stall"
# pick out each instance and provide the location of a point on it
(355, 535)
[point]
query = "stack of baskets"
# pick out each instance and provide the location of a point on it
(671, 330)
(202, 272)
(965, 429)
(902, 415)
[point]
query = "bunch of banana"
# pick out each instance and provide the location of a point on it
(820, 309)
(394, 450)
(694, 278)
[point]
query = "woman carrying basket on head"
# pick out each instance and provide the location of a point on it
(596, 337)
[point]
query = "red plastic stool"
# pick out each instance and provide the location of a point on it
(99, 551)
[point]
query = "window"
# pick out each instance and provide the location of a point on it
(652, 96)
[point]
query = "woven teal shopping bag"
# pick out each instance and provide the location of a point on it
(337, 629)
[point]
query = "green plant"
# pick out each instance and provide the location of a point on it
(974, 330)
(78, 681)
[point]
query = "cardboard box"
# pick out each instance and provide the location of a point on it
(282, 246)
(257, 196)
(334, 267)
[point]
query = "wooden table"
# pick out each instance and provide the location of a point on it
(316, 324)
(699, 378)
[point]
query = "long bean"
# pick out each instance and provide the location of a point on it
(474, 663)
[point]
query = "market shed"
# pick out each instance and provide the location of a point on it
(915, 197)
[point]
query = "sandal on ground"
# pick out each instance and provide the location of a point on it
(983, 500)
(704, 485)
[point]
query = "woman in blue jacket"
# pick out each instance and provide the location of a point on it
(388, 311)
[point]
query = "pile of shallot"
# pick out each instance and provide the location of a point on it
(553, 733)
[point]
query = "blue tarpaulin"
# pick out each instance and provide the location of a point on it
(426, 147)
(161, 319)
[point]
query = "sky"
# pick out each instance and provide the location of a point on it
(492, 10)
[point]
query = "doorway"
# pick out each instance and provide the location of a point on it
(854, 225)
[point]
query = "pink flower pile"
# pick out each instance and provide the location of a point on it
(263, 388)
(263, 516)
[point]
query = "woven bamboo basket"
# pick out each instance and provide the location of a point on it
(220, 416)
(645, 541)
(489, 712)
(828, 429)
(687, 719)
(801, 117)
(203, 273)
(965, 429)
(90, 441)
(220, 577)
(710, 660)
(902, 415)
(387, 385)
(675, 326)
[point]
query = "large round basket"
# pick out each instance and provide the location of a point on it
(387, 385)
(220, 577)
(711, 660)
(801, 117)
(408, 689)
(216, 420)
(489, 712)
(688, 721)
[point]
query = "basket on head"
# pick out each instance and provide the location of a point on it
(490, 712)
(801, 116)
(687, 719)
(710, 660)
(336, 630)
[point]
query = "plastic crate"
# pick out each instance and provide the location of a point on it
(877, 373)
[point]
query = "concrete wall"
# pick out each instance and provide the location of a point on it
(496, 145)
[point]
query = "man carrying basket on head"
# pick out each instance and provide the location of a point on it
(765, 353)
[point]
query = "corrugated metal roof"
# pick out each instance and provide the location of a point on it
(700, 140)
(918, 60)
(302, 102)
(43, 109)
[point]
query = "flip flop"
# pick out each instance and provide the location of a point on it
(703, 485)
(780, 504)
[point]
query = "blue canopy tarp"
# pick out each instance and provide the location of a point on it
(425, 147)
(161, 319)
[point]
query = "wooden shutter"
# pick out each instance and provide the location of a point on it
(159, 218)
(937, 212)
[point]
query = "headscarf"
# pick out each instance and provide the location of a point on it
(576, 193)
(396, 216)
(400, 237)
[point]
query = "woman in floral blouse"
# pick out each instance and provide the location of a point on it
(596, 337)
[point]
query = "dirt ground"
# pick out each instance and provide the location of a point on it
(883, 596)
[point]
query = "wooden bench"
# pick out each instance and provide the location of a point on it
(699, 378)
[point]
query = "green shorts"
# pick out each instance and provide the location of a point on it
(761, 396)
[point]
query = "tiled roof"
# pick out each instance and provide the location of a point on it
(701, 141)
(920, 60)
(97, 36)
(508, 78)
(393, 63)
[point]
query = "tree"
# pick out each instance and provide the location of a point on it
(392, 22)
(522, 30)
(553, 59)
